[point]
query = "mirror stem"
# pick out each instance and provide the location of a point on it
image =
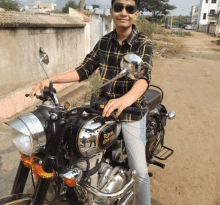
(51, 86)
(40, 61)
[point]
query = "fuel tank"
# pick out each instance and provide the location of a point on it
(92, 135)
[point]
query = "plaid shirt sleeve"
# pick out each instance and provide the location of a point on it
(146, 53)
(90, 64)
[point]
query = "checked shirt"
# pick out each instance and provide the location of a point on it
(107, 55)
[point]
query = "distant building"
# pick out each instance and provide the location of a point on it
(208, 12)
(89, 8)
(194, 15)
(47, 6)
(98, 10)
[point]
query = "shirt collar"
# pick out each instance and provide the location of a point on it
(130, 39)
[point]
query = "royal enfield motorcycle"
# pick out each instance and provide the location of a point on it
(80, 154)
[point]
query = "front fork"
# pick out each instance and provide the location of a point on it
(20, 179)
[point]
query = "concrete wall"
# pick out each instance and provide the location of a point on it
(100, 25)
(203, 28)
(208, 29)
(19, 55)
(76, 14)
(19, 67)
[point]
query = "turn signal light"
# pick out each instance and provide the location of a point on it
(72, 177)
(66, 105)
(70, 182)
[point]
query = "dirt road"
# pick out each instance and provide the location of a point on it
(191, 81)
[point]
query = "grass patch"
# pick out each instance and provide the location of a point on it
(181, 33)
(217, 42)
(95, 83)
(150, 29)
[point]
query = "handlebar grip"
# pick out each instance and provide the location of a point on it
(133, 110)
(161, 165)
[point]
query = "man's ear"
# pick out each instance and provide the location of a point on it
(136, 14)
(111, 11)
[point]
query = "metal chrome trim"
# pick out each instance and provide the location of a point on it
(128, 199)
(132, 184)
(96, 133)
(31, 126)
(81, 130)
(73, 174)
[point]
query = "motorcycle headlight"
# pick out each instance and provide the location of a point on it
(28, 133)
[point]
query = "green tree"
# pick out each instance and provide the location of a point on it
(71, 4)
(9, 5)
(158, 8)
(95, 6)
(177, 20)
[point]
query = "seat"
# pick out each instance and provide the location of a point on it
(153, 98)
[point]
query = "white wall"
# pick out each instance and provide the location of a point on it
(100, 25)
(205, 8)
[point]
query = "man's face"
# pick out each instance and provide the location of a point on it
(123, 18)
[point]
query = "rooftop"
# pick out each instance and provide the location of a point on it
(26, 19)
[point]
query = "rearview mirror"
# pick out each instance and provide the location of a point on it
(134, 64)
(43, 55)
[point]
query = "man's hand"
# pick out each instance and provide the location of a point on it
(120, 104)
(39, 86)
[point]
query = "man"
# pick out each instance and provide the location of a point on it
(107, 55)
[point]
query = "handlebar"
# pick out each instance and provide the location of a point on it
(40, 97)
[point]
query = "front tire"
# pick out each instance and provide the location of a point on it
(18, 199)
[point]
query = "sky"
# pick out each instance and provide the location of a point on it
(183, 6)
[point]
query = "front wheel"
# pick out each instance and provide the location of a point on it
(18, 199)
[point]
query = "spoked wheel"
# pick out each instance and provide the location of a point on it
(18, 199)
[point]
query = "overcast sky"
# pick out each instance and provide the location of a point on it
(183, 6)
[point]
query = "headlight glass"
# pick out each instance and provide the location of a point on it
(24, 143)
(28, 133)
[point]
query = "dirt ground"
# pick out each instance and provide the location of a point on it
(190, 78)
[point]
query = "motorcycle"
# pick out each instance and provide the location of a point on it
(79, 153)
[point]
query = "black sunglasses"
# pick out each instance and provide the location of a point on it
(118, 7)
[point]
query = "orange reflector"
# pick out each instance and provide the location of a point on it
(27, 161)
(66, 105)
(102, 106)
(70, 182)
(37, 168)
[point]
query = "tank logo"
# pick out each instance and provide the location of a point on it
(109, 136)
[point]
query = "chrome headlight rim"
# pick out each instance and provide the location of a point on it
(29, 126)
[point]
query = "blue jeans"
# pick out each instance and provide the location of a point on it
(134, 134)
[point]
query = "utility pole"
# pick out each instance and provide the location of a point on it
(218, 20)
(171, 21)
(81, 5)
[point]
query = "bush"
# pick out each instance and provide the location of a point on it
(9, 5)
(71, 4)
(149, 29)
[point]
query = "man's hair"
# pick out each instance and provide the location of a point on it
(136, 1)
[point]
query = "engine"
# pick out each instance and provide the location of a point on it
(87, 143)
(100, 175)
